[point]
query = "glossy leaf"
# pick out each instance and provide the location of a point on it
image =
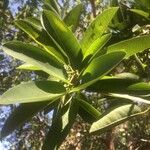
(37, 33)
(141, 13)
(114, 84)
(97, 28)
(35, 56)
(115, 116)
(131, 46)
(87, 111)
(97, 45)
(33, 92)
(27, 66)
(53, 4)
(62, 34)
(132, 98)
(99, 67)
(22, 114)
(72, 18)
(60, 128)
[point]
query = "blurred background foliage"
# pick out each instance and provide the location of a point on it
(131, 20)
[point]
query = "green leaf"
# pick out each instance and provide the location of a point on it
(53, 4)
(139, 88)
(27, 66)
(141, 13)
(33, 92)
(131, 98)
(99, 67)
(62, 34)
(21, 115)
(72, 18)
(97, 46)
(97, 28)
(34, 22)
(35, 56)
(114, 84)
(115, 116)
(131, 46)
(35, 31)
(87, 109)
(60, 127)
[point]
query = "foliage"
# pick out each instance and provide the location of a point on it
(74, 69)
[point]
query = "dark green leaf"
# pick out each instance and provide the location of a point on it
(114, 84)
(35, 31)
(60, 128)
(72, 18)
(35, 56)
(22, 114)
(92, 114)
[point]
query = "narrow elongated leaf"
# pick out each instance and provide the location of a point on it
(132, 98)
(114, 84)
(35, 23)
(72, 18)
(22, 114)
(60, 128)
(27, 66)
(97, 28)
(115, 116)
(53, 4)
(35, 56)
(35, 31)
(97, 45)
(140, 88)
(131, 46)
(99, 67)
(65, 38)
(141, 13)
(87, 111)
(33, 92)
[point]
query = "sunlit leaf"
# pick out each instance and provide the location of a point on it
(97, 28)
(62, 34)
(99, 67)
(141, 13)
(131, 46)
(132, 98)
(35, 56)
(27, 66)
(114, 84)
(97, 45)
(53, 4)
(115, 116)
(72, 18)
(35, 31)
(33, 92)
